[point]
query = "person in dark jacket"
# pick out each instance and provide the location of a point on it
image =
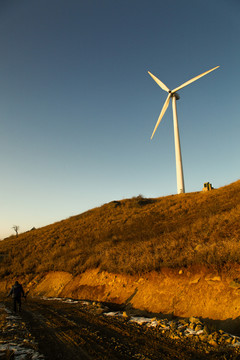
(16, 292)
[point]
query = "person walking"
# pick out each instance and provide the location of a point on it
(16, 292)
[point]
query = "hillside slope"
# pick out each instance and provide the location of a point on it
(133, 236)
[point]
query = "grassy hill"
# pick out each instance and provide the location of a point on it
(134, 236)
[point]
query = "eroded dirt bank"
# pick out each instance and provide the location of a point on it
(183, 292)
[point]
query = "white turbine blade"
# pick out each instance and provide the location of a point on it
(165, 106)
(160, 83)
(194, 79)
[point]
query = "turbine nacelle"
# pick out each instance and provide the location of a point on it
(175, 94)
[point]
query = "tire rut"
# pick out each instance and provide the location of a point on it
(77, 331)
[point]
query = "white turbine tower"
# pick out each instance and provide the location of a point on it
(174, 95)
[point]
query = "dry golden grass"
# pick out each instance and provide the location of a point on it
(134, 236)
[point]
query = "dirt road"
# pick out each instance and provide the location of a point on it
(80, 330)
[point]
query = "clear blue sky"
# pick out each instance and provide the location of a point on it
(77, 106)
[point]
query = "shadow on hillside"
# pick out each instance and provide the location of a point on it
(231, 326)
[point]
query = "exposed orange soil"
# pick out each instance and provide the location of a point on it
(182, 292)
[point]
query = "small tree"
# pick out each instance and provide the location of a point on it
(16, 228)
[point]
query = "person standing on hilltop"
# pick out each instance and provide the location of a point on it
(16, 292)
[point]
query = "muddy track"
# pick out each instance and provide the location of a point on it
(80, 331)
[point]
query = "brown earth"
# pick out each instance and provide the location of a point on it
(80, 331)
(196, 291)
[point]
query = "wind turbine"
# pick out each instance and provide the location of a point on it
(174, 95)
